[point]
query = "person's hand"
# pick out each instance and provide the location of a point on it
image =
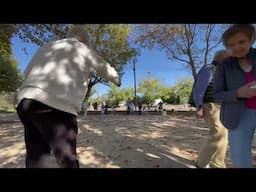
(247, 91)
(115, 76)
(200, 112)
(117, 81)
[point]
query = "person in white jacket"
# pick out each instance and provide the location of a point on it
(50, 97)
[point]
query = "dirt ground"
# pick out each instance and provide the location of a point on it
(120, 141)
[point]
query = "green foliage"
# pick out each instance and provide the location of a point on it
(116, 95)
(183, 89)
(38, 34)
(6, 33)
(111, 41)
(10, 77)
(151, 89)
(7, 101)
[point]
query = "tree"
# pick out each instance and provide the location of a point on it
(7, 101)
(126, 93)
(6, 33)
(90, 99)
(151, 88)
(10, 77)
(93, 91)
(115, 95)
(35, 33)
(182, 89)
(111, 42)
(190, 44)
(165, 93)
(171, 98)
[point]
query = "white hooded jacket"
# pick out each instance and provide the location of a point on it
(58, 74)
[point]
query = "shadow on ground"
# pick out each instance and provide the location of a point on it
(119, 141)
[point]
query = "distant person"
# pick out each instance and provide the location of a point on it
(140, 107)
(160, 106)
(95, 106)
(128, 106)
(132, 107)
(106, 106)
(85, 108)
(102, 107)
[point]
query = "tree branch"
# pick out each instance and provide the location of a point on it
(207, 36)
(215, 45)
(176, 57)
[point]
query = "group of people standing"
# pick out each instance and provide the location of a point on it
(57, 77)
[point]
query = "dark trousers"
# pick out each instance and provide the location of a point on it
(47, 129)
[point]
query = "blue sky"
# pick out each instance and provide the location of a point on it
(150, 63)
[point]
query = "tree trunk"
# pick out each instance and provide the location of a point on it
(89, 88)
(92, 82)
(193, 69)
(192, 64)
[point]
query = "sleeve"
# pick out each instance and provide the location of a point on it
(204, 78)
(102, 68)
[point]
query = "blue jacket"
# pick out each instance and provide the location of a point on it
(227, 79)
(204, 78)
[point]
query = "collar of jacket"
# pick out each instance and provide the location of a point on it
(251, 56)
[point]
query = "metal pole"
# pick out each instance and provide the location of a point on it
(135, 95)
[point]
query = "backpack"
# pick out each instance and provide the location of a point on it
(190, 99)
